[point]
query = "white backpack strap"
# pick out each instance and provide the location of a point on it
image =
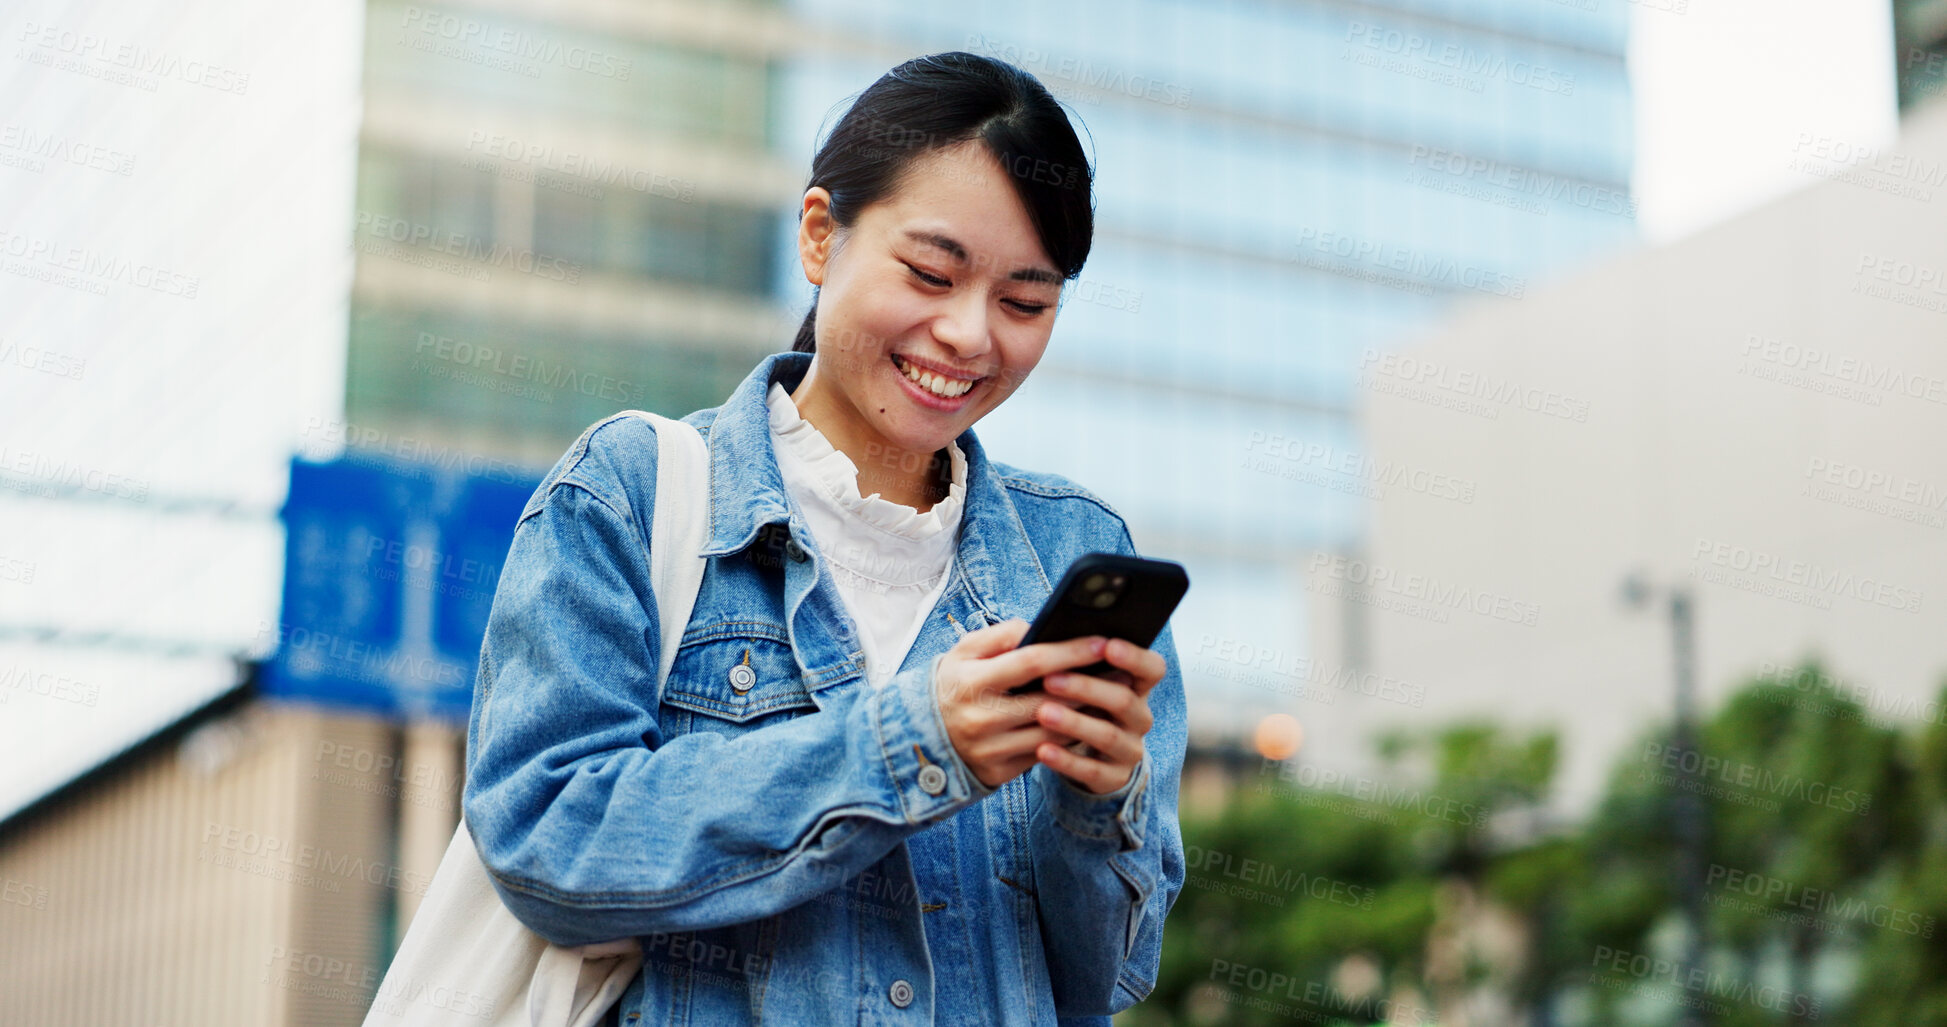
(681, 529)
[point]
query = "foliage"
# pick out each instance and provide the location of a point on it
(1441, 886)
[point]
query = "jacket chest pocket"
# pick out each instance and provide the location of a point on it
(735, 678)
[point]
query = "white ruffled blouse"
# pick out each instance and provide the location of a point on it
(890, 561)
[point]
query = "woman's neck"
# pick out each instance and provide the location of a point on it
(899, 475)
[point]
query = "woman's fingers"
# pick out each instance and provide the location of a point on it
(1091, 774)
(1123, 703)
(993, 639)
(1041, 659)
(1110, 739)
(1147, 666)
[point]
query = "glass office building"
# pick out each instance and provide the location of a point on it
(585, 208)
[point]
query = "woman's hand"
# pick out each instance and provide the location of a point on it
(1109, 747)
(997, 735)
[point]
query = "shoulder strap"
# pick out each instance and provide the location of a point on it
(680, 530)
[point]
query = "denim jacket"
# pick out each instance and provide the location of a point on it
(791, 845)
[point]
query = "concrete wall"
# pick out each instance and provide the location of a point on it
(1758, 411)
(249, 875)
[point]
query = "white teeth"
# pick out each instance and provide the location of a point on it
(939, 385)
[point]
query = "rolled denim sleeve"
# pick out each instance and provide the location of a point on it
(594, 826)
(1109, 867)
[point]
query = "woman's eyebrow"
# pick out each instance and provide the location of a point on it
(958, 252)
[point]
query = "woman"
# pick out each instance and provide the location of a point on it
(835, 814)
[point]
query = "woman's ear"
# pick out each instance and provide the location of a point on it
(816, 230)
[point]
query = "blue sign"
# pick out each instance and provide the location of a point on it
(389, 571)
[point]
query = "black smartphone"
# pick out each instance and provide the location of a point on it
(1127, 597)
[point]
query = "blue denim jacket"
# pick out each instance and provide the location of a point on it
(783, 844)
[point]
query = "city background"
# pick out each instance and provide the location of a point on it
(1539, 394)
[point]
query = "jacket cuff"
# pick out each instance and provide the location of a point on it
(926, 772)
(1114, 816)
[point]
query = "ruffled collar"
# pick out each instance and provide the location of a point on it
(806, 457)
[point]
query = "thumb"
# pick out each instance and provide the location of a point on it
(993, 639)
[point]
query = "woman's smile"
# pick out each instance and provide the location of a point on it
(931, 386)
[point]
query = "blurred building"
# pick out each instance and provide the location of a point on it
(1754, 413)
(1920, 49)
(562, 210)
(565, 210)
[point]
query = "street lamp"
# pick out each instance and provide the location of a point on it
(1691, 818)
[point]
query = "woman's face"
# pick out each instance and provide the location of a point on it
(945, 276)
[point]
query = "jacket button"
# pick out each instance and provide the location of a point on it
(742, 677)
(901, 993)
(932, 780)
(795, 551)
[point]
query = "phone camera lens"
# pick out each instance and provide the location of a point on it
(1104, 600)
(1093, 582)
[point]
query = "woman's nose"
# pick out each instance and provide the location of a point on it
(962, 326)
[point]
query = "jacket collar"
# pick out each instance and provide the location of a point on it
(747, 494)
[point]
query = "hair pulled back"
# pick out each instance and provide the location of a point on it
(943, 100)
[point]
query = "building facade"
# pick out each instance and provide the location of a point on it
(565, 210)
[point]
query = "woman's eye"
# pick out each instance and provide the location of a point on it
(1029, 309)
(933, 280)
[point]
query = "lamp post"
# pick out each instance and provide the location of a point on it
(1687, 804)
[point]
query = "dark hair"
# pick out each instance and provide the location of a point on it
(949, 98)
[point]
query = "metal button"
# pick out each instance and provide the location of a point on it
(932, 780)
(795, 551)
(901, 993)
(742, 677)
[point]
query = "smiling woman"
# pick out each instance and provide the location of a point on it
(937, 236)
(831, 810)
